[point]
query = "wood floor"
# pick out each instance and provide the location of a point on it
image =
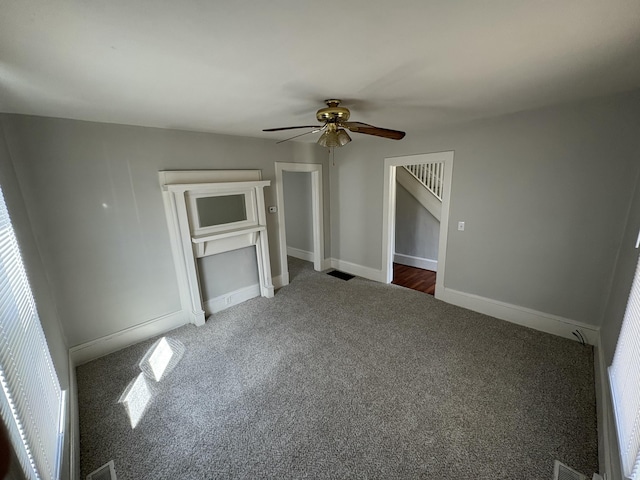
(414, 278)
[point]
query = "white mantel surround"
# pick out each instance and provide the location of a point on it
(190, 241)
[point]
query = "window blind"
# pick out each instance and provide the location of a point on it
(31, 402)
(624, 376)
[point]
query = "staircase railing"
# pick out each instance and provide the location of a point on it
(431, 175)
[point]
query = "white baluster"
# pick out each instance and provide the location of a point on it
(425, 175)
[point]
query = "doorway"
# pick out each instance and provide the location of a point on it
(389, 211)
(317, 216)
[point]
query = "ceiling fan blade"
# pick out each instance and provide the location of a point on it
(288, 128)
(367, 129)
(302, 134)
(350, 125)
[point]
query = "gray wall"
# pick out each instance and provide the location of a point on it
(544, 195)
(297, 210)
(91, 191)
(227, 272)
(417, 231)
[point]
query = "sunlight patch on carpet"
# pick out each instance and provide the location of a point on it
(136, 399)
(161, 358)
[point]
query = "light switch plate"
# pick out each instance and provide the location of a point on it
(461, 226)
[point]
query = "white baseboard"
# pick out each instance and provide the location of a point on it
(527, 317)
(301, 254)
(280, 281)
(418, 262)
(607, 435)
(74, 422)
(116, 341)
(601, 386)
(230, 299)
(359, 270)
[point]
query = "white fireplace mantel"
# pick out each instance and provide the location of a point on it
(196, 234)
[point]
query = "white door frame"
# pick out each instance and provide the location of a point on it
(389, 211)
(316, 211)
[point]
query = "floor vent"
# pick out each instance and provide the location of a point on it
(562, 472)
(340, 275)
(105, 472)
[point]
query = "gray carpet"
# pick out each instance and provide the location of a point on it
(333, 379)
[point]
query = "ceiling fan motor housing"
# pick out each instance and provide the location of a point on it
(333, 113)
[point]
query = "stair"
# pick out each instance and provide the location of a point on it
(426, 190)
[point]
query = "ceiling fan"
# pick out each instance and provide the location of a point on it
(335, 120)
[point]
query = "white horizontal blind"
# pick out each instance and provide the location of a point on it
(624, 375)
(31, 400)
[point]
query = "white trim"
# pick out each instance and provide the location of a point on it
(316, 211)
(208, 176)
(389, 211)
(418, 262)
(230, 299)
(278, 281)
(301, 254)
(171, 215)
(246, 189)
(100, 347)
(358, 270)
(607, 439)
(527, 317)
(74, 421)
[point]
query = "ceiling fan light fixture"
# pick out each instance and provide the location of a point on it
(343, 137)
(329, 139)
(334, 137)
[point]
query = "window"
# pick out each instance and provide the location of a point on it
(624, 375)
(31, 402)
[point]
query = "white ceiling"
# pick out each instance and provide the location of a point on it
(237, 67)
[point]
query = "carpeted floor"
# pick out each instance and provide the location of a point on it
(333, 379)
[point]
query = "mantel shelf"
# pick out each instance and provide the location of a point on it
(227, 234)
